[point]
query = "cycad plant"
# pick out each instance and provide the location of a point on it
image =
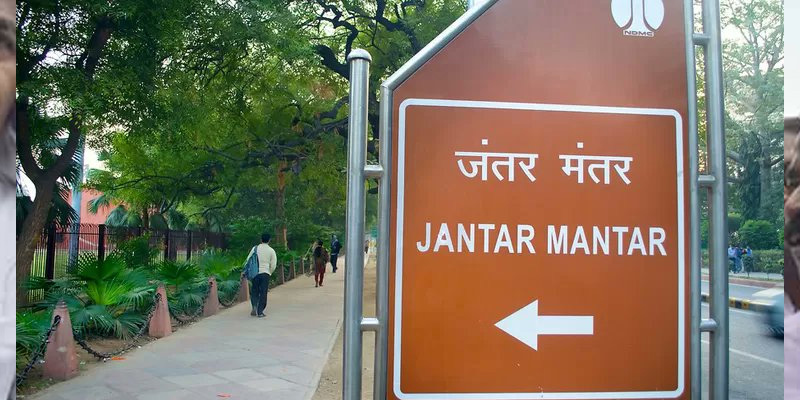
(31, 327)
(224, 269)
(185, 285)
(103, 297)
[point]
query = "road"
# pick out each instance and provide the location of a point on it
(756, 359)
(737, 291)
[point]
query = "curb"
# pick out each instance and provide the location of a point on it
(748, 282)
(741, 303)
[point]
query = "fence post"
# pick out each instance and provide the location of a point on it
(188, 245)
(283, 278)
(294, 271)
(50, 260)
(166, 244)
(101, 242)
(60, 360)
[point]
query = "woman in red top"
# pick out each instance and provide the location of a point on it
(321, 258)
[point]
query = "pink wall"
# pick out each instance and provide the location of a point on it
(86, 216)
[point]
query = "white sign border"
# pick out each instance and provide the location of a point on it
(398, 304)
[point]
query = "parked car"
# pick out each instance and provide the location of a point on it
(773, 317)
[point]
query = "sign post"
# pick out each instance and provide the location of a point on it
(539, 217)
(539, 209)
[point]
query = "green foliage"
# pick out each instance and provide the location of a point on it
(103, 297)
(246, 233)
(769, 261)
(753, 70)
(178, 276)
(136, 252)
(780, 238)
(31, 327)
(758, 234)
(734, 222)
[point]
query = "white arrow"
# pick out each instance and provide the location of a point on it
(526, 325)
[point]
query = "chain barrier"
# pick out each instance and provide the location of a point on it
(185, 319)
(134, 342)
(39, 352)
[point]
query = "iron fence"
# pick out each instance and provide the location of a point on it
(59, 246)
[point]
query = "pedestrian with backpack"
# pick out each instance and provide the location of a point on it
(335, 247)
(260, 264)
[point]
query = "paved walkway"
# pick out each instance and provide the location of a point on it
(230, 355)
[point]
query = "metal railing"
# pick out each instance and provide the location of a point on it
(59, 246)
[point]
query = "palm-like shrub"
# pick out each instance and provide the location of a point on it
(31, 327)
(185, 284)
(103, 297)
(224, 268)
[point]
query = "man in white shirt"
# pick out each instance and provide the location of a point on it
(267, 261)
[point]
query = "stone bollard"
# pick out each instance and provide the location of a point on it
(60, 360)
(160, 324)
(244, 291)
(212, 301)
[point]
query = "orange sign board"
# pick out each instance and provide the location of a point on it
(539, 220)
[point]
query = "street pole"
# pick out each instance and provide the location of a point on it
(695, 344)
(356, 199)
(718, 239)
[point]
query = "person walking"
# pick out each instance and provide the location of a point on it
(732, 257)
(335, 247)
(267, 262)
(321, 258)
(738, 259)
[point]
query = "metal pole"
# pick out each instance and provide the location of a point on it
(384, 224)
(694, 209)
(76, 205)
(717, 203)
(359, 60)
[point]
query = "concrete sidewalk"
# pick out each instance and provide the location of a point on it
(230, 355)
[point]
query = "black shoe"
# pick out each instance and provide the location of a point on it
(253, 313)
(261, 315)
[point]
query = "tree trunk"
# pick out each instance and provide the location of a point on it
(32, 228)
(766, 206)
(280, 230)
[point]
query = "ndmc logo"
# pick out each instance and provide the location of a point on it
(638, 17)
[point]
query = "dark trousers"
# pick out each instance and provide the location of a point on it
(259, 294)
(333, 261)
(253, 295)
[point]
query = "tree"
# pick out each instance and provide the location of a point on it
(87, 69)
(758, 234)
(753, 72)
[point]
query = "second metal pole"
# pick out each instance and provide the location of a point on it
(354, 258)
(717, 203)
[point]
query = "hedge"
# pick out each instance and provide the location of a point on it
(767, 261)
